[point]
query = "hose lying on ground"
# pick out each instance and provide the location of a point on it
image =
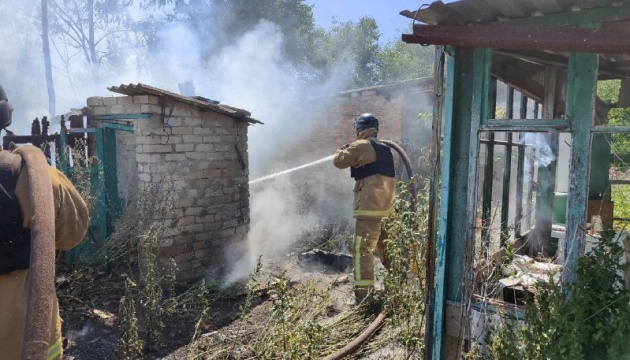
(359, 340)
(353, 345)
(42, 263)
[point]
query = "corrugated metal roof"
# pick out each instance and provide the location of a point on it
(465, 12)
(611, 14)
(198, 102)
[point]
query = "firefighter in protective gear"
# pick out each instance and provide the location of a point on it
(372, 166)
(71, 223)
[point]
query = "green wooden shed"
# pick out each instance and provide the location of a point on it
(523, 139)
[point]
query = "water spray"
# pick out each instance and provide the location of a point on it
(288, 171)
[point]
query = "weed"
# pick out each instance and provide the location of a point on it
(151, 298)
(252, 287)
(585, 320)
(403, 280)
(129, 343)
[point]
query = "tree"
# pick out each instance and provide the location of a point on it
(47, 62)
(401, 61)
(610, 92)
(354, 44)
(219, 22)
(93, 29)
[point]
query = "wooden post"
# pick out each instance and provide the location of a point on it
(580, 110)
(520, 175)
(507, 170)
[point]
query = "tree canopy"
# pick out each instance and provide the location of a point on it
(98, 42)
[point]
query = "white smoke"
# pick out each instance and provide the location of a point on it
(251, 74)
(276, 222)
(543, 153)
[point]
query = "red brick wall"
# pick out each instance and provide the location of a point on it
(396, 106)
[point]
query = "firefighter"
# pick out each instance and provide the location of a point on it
(372, 166)
(71, 222)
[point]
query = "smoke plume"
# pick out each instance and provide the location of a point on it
(247, 72)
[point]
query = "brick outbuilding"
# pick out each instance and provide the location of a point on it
(192, 152)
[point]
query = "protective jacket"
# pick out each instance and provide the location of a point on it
(373, 194)
(372, 167)
(14, 239)
(71, 223)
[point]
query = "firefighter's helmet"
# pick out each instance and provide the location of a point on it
(365, 121)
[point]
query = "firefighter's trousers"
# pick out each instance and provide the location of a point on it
(367, 237)
(14, 295)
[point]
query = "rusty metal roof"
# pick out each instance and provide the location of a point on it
(198, 102)
(613, 17)
(466, 12)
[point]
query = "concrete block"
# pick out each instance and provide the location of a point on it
(182, 130)
(157, 148)
(175, 121)
(166, 242)
(95, 101)
(212, 139)
(205, 218)
(227, 232)
(184, 147)
(192, 138)
(109, 101)
(204, 148)
(202, 253)
(193, 121)
(125, 100)
(194, 228)
(100, 110)
(153, 100)
(204, 236)
(143, 158)
(173, 251)
(181, 110)
(117, 109)
(141, 99)
(182, 258)
(130, 109)
(195, 155)
(193, 211)
(184, 238)
(186, 220)
(203, 131)
(155, 109)
(175, 157)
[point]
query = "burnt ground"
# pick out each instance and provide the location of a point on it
(89, 302)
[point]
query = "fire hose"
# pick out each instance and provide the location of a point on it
(42, 270)
(353, 345)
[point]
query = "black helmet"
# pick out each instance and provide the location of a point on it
(365, 121)
(6, 110)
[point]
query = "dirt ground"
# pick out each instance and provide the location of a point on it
(89, 308)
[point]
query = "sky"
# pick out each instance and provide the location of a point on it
(385, 12)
